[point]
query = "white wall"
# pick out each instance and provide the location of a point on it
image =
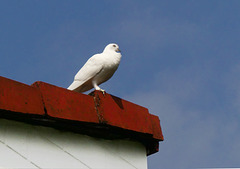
(27, 146)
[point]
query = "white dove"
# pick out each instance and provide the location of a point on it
(98, 69)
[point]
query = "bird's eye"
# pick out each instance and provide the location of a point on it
(114, 45)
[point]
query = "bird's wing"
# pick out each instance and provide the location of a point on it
(90, 69)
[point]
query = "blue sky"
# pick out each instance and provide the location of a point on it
(180, 59)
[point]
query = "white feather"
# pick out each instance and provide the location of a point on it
(98, 69)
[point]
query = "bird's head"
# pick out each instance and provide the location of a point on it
(112, 47)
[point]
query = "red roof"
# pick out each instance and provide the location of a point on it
(96, 114)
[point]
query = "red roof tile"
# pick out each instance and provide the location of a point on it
(66, 104)
(18, 97)
(49, 102)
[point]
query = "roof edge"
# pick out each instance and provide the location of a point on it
(46, 104)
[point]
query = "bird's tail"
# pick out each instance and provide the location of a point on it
(74, 85)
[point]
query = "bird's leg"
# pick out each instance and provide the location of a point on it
(98, 88)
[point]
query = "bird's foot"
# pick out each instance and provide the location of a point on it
(103, 91)
(98, 88)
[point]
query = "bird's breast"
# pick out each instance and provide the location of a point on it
(113, 60)
(107, 72)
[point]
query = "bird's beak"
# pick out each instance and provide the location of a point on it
(118, 50)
